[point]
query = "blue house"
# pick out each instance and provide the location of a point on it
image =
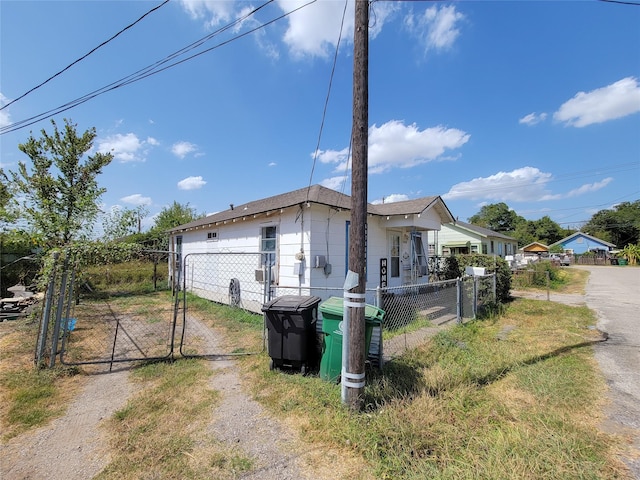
(580, 242)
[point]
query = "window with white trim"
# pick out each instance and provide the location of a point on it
(268, 237)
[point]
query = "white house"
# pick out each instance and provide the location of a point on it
(304, 235)
(465, 238)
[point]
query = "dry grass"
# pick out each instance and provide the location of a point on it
(30, 397)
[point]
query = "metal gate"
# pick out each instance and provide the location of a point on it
(230, 279)
(109, 327)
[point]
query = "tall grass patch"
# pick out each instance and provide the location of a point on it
(510, 397)
(29, 397)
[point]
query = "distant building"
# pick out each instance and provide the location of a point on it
(579, 243)
(459, 238)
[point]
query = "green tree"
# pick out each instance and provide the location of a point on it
(620, 225)
(497, 217)
(169, 217)
(547, 231)
(6, 215)
(59, 195)
(174, 215)
(122, 222)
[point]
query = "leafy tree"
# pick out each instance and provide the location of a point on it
(620, 225)
(547, 231)
(497, 217)
(59, 196)
(122, 222)
(174, 215)
(169, 217)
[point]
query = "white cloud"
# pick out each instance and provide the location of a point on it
(526, 184)
(617, 100)
(437, 28)
(533, 118)
(334, 183)
(182, 149)
(396, 145)
(272, 164)
(213, 12)
(576, 192)
(136, 199)
(153, 141)
(5, 117)
(520, 185)
(314, 30)
(394, 197)
(191, 183)
(125, 148)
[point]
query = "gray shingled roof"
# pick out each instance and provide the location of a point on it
(483, 231)
(319, 195)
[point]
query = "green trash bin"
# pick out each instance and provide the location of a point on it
(622, 261)
(332, 311)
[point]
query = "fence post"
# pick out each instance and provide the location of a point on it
(44, 323)
(60, 307)
(494, 287)
(71, 294)
(548, 280)
(475, 296)
(459, 300)
(378, 297)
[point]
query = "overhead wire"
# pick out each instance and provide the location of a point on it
(153, 68)
(84, 56)
(328, 96)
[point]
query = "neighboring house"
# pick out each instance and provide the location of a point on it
(304, 236)
(535, 249)
(463, 238)
(579, 243)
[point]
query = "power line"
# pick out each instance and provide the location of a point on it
(153, 68)
(326, 101)
(83, 57)
(635, 4)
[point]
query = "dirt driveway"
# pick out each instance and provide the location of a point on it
(614, 293)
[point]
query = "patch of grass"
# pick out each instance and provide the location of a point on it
(161, 429)
(34, 397)
(468, 404)
(29, 397)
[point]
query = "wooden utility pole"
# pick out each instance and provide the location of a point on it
(357, 236)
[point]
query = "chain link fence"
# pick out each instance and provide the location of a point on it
(88, 320)
(413, 313)
(85, 324)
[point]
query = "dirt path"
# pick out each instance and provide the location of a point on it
(75, 447)
(72, 447)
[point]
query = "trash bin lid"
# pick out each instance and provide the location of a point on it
(291, 303)
(335, 306)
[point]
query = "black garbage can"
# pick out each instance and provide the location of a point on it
(291, 329)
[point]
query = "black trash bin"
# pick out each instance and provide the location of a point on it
(291, 328)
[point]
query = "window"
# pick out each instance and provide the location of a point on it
(268, 245)
(432, 249)
(484, 248)
(394, 254)
(212, 236)
(474, 248)
(492, 247)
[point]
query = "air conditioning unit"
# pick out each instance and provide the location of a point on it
(261, 272)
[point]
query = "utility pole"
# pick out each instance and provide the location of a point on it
(357, 248)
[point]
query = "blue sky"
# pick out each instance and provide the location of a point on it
(535, 104)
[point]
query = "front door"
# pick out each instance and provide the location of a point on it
(395, 266)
